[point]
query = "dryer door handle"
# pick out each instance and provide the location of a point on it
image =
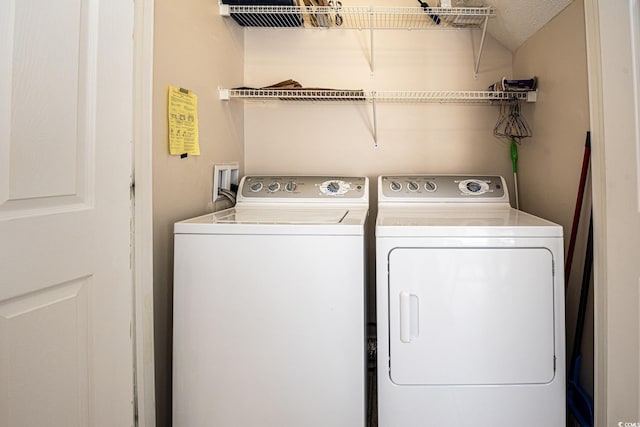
(408, 316)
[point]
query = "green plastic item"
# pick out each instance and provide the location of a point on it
(514, 155)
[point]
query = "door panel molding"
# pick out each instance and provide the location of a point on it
(46, 331)
(49, 128)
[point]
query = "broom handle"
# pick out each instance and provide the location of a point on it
(576, 215)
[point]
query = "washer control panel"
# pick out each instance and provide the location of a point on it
(436, 188)
(303, 187)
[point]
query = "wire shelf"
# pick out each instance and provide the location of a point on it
(341, 95)
(357, 17)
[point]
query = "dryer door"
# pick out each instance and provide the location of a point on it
(471, 316)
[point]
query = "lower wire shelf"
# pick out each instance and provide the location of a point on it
(351, 95)
(373, 97)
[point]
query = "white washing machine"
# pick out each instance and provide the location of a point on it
(470, 306)
(269, 320)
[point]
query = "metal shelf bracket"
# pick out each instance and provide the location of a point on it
(484, 34)
(375, 120)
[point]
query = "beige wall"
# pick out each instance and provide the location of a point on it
(338, 139)
(550, 162)
(320, 138)
(196, 49)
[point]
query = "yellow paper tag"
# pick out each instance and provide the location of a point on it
(183, 122)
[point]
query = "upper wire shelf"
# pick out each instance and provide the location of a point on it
(404, 96)
(357, 17)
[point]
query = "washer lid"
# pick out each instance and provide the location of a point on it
(279, 219)
(281, 215)
(446, 220)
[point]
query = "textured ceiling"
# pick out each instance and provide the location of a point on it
(517, 20)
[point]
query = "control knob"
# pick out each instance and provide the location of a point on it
(413, 186)
(430, 186)
(290, 187)
(395, 186)
(333, 187)
(256, 186)
(273, 187)
(474, 186)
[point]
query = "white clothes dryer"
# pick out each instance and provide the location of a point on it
(269, 320)
(470, 306)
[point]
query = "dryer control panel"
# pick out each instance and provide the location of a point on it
(442, 188)
(303, 188)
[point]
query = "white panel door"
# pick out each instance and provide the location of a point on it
(463, 316)
(65, 209)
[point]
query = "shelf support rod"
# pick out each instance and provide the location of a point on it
(371, 37)
(375, 120)
(484, 33)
